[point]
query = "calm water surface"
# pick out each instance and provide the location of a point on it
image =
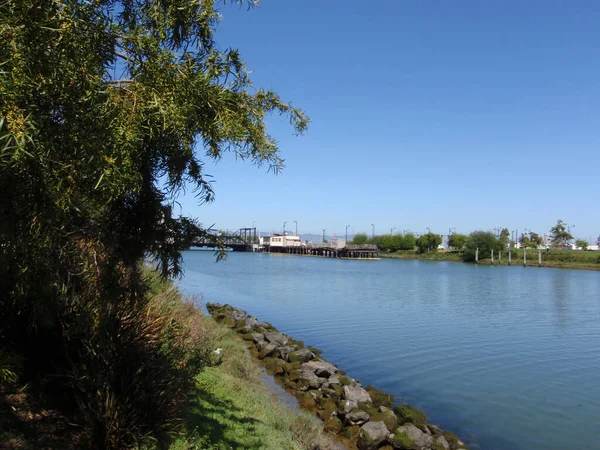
(506, 357)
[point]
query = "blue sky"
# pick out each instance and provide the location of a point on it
(464, 114)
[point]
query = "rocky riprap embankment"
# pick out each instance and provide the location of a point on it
(363, 418)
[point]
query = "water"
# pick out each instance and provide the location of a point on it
(506, 357)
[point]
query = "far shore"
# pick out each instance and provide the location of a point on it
(517, 259)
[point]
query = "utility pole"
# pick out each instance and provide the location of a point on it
(347, 234)
(323, 235)
(296, 222)
(373, 233)
(284, 228)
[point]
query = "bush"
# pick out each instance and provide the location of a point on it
(484, 241)
(135, 368)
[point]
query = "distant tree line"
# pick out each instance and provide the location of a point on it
(484, 241)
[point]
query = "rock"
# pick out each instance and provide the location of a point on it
(321, 368)
(317, 395)
(316, 383)
(358, 417)
(349, 406)
(284, 352)
(388, 417)
(440, 443)
(383, 409)
(303, 355)
(251, 322)
(371, 435)
(258, 337)
(267, 350)
(334, 380)
(238, 315)
(276, 338)
(344, 380)
(289, 366)
(409, 437)
(327, 391)
(407, 413)
(356, 394)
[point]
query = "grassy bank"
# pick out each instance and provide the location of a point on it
(570, 259)
(225, 406)
(233, 409)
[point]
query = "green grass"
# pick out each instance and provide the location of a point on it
(554, 258)
(434, 256)
(232, 409)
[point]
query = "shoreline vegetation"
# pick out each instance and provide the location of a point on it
(226, 406)
(360, 418)
(565, 259)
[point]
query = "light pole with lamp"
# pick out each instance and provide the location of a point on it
(284, 227)
(323, 235)
(373, 232)
(569, 230)
(392, 230)
(347, 233)
(296, 222)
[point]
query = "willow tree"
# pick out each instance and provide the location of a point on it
(108, 110)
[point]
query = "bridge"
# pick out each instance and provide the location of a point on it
(241, 240)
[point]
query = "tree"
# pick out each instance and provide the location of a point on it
(108, 110)
(428, 242)
(409, 242)
(582, 244)
(530, 240)
(457, 241)
(360, 239)
(559, 234)
(504, 237)
(484, 241)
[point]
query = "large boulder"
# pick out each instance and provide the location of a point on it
(372, 434)
(349, 406)
(321, 368)
(409, 437)
(440, 443)
(356, 394)
(302, 355)
(267, 350)
(276, 338)
(357, 417)
(284, 352)
(386, 416)
(238, 315)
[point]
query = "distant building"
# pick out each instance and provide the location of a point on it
(280, 241)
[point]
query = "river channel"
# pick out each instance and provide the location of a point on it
(506, 357)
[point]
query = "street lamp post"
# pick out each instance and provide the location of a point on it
(373, 233)
(569, 230)
(428, 229)
(323, 235)
(284, 227)
(296, 222)
(347, 233)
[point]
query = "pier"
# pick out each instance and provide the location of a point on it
(350, 251)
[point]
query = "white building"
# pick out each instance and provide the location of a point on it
(281, 240)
